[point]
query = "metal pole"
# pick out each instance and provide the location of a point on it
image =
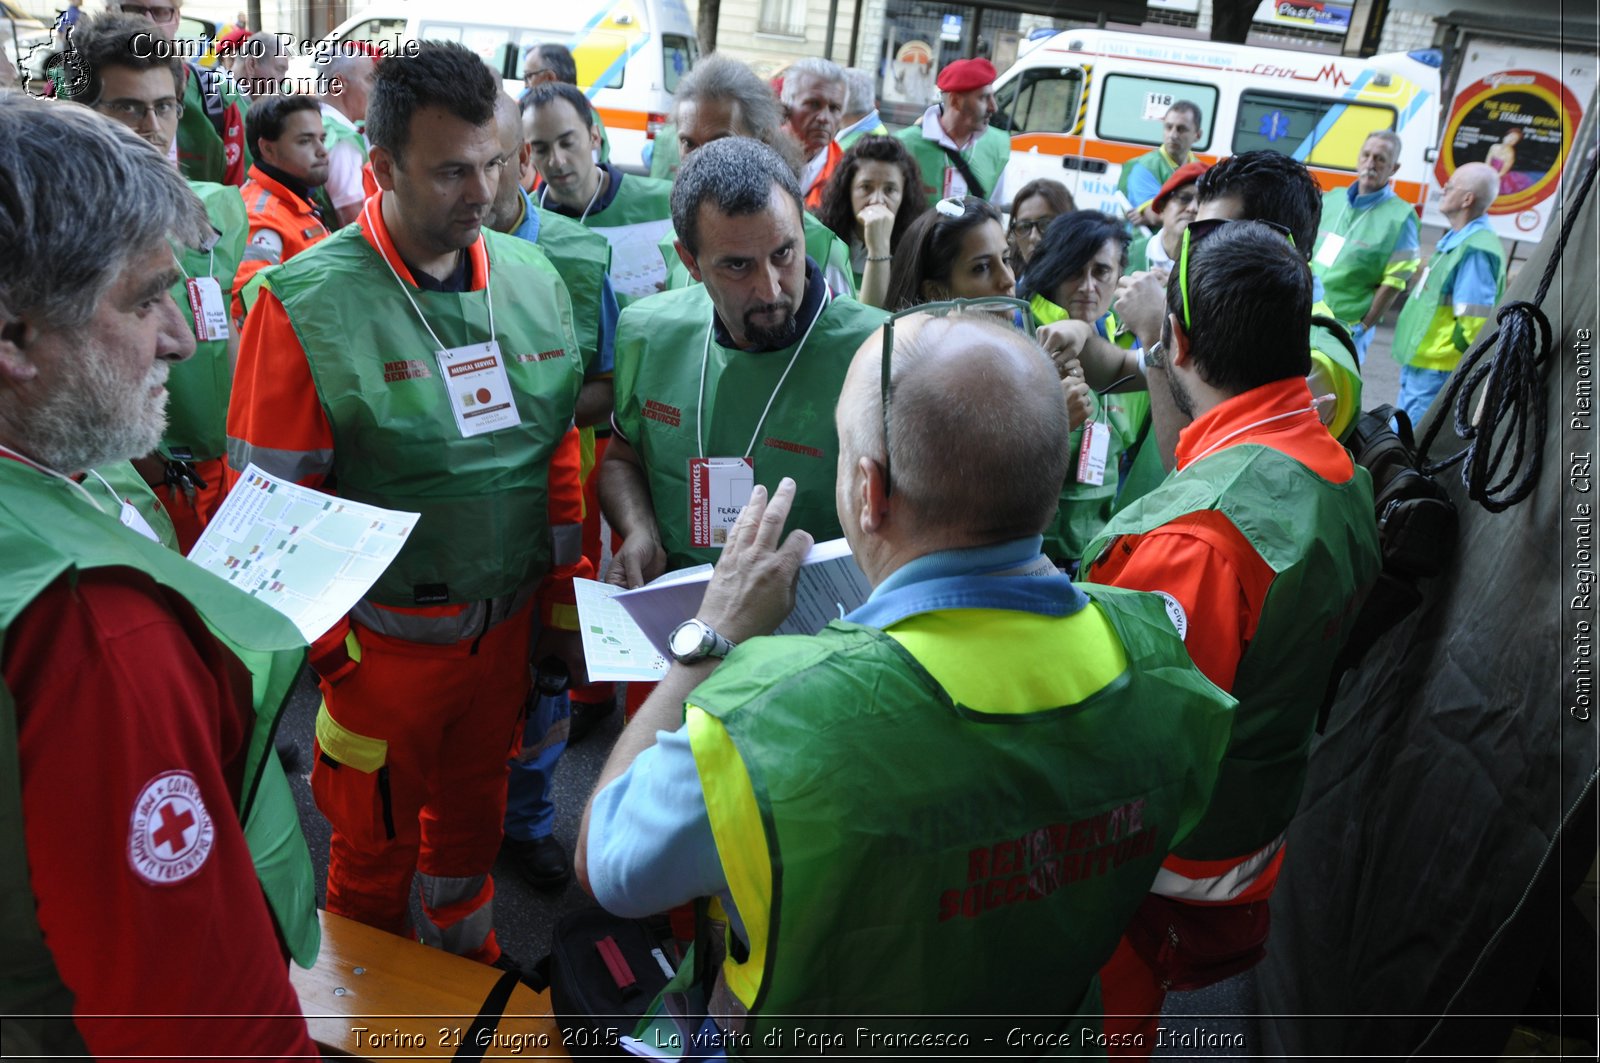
(855, 37)
(833, 16)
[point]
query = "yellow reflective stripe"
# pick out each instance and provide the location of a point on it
(352, 646)
(1437, 349)
(1328, 377)
(982, 657)
(585, 455)
(347, 747)
(741, 840)
(563, 616)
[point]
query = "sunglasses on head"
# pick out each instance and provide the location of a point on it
(938, 309)
(1199, 230)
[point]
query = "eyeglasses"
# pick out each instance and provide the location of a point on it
(133, 111)
(1183, 199)
(158, 15)
(530, 76)
(1199, 230)
(938, 309)
(1034, 225)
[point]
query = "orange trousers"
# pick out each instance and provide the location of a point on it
(426, 794)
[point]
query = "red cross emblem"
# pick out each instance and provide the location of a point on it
(170, 831)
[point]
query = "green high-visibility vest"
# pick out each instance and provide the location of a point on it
(123, 483)
(1424, 336)
(484, 529)
(879, 130)
(1369, 237)
(1084, 508)
(661, 344)
(201, 155)
(929, 857)
(632, 222)
(823, 247)
(583, 258)
(197, 409)
(48, 530)
(1321, 541)
(987, 157)
(664, 157)
(1334, 371)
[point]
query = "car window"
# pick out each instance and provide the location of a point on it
(1132, 108)
(1326, 133)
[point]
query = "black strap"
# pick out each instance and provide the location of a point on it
(476, 1038)
(974, 186)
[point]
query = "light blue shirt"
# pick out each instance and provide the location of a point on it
(1476, 281)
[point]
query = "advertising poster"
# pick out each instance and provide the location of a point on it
(1512, 112)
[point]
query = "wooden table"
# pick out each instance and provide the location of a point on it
(373, 995)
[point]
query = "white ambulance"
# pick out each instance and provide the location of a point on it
(629, 53)
(1084, 102)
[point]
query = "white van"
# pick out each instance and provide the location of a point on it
(1084, 102)
(630, 53)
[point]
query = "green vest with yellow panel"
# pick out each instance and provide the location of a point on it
(899, 849)
(1084, 507)
(1156, 162)
(1321, 542)
(48, 530)
(662, 344)
(1425, 334)
(1369, 237)
(484, 529)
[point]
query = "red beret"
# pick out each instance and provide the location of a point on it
(964, 75)
(1185, 174)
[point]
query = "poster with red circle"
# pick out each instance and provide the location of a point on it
(1520, 122)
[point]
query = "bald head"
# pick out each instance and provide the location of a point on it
(1482, 182)
(977, 427)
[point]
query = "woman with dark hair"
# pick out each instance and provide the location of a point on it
(954, 250)
(1073, 274)
(867, 205)
(1035, 206)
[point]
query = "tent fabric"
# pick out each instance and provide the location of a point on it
(1451, 757)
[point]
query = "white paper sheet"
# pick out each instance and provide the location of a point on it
(309, 555)
(624, 625)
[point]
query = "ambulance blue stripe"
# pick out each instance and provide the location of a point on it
(1303, 152)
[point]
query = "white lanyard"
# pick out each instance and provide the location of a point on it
(488, 292)
(705, 358)
(598, 185)
(1312, 409)
(211, 264)
(82, 490)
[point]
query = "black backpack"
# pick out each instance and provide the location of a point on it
(1417, 527)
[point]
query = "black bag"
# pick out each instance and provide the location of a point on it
(1417, 526)
(604, 971)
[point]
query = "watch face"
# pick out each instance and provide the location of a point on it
(686, 638)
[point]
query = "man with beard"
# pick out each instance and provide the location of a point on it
(960, 153)
(1367, 246)
(418, 362)
(138, 693)
(285, 135)
(1269, 601)
(727, 382)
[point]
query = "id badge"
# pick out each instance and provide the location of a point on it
(206, 306)
(132, 518)
(480, 392)
(1092, 453)
(718, 489)
(1328, 249)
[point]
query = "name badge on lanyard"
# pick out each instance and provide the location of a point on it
(481, 399)
(1092, 453)
(132, 518)
(1329, 248)
(718, 490)
(210, 313)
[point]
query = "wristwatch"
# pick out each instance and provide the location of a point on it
(693, 640)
